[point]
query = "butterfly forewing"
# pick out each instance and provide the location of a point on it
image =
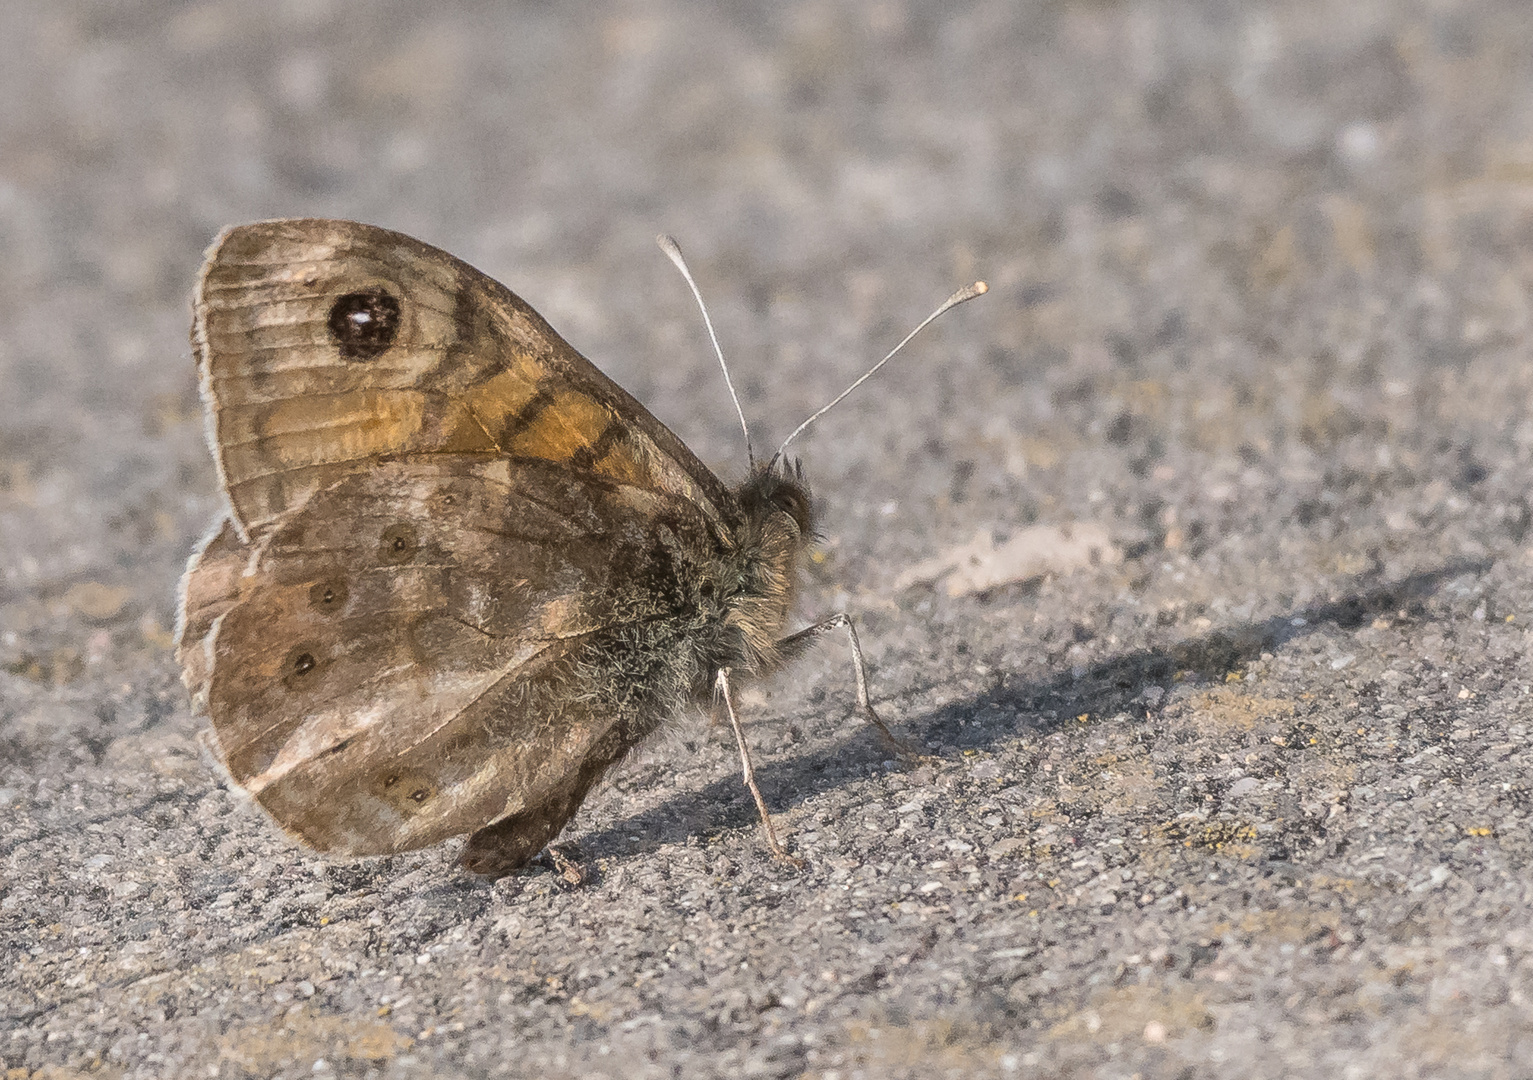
(325, 345)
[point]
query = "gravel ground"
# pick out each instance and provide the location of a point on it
(1246, 795)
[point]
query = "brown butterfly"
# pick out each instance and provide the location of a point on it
(463, 572)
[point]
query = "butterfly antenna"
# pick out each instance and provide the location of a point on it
(968, 292)
(673, 252)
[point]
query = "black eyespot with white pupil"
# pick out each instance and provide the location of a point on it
(364, 324)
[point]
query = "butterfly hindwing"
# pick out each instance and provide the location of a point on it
(419, 649)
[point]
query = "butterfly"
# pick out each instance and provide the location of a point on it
(462, 573)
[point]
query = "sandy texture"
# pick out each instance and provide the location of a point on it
(1250, 797)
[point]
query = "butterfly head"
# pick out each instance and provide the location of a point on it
(778, 488)
(775, 532)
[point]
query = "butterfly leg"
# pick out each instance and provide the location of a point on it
(565, 861)
(793, 644)
(749, 771)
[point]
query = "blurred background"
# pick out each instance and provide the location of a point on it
(1257, 328)
(1233, 227)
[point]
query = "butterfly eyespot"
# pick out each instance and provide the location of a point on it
(364, 324)
(405, 791)
(398, 544)
(328, 595)
(300, 665)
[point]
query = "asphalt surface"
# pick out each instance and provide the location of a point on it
(1245, 793)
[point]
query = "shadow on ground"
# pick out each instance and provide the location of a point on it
(1104, 689)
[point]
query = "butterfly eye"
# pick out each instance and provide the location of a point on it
(398, 544)
(706, 590)
(364, 324)
(327, 595)
(790, 502)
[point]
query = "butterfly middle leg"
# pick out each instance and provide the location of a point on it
(794, 644)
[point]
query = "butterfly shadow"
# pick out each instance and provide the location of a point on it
(1134, 682)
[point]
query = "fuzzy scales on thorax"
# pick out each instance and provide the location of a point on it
(717, 598)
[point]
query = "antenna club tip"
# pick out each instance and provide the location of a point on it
(963, 295)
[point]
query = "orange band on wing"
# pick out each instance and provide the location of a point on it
(497, 401)
(568, 423)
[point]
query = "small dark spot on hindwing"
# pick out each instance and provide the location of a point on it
(406, 791)
(328, 595)
(300, 665)
(398, 544)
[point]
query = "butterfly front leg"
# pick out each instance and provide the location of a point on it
(794, 644)
(749, 771)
